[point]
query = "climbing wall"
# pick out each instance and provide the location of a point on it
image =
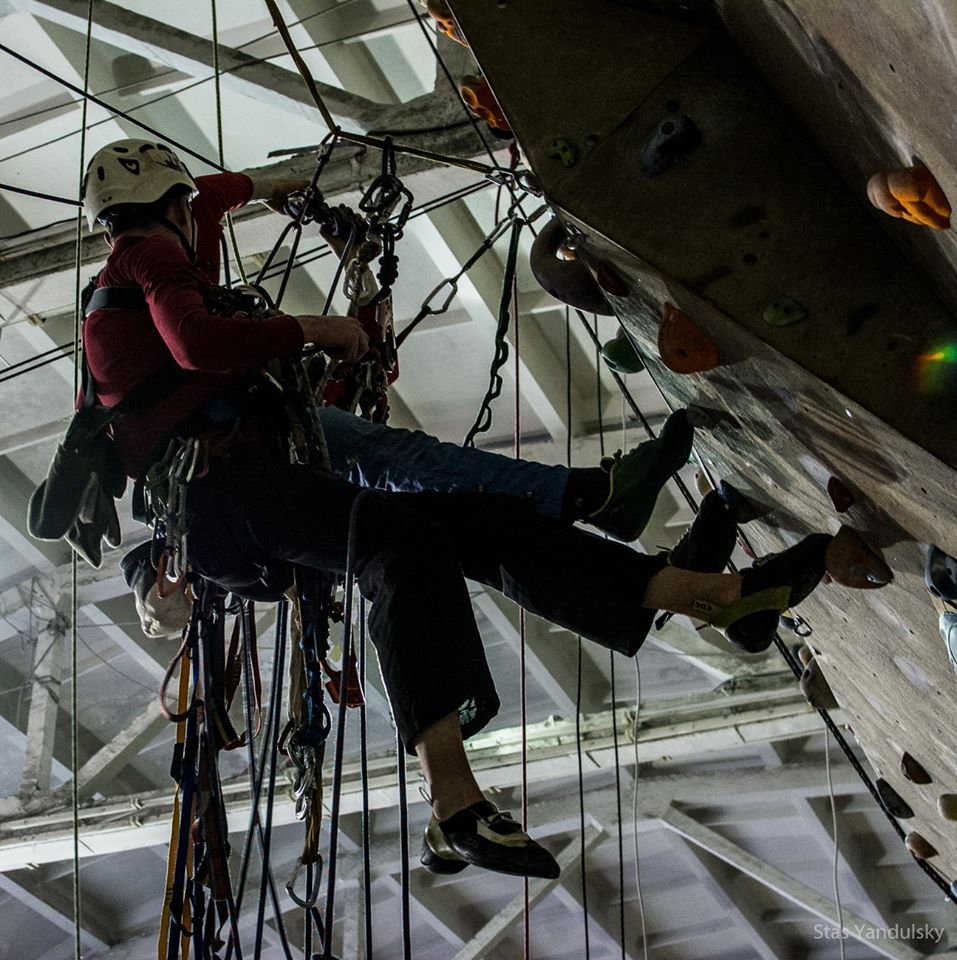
(691, 186)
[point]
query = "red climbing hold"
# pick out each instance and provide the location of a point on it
(911, 193)
(682, 346)
(841, 497)
(479, 98)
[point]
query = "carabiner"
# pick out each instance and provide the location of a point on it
(313, 883)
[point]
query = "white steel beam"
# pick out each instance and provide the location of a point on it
(745, 916)
(784, 885)
(114, 756)
(47, 675)
(193, 55)
(499, 927)
(816, 818)
(46, 900)
(142, 820)
(551, 654)
(354, 924)
(425, 906)
(602, 913)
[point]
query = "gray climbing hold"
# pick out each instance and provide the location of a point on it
(914, 772)
(671, 141)
(893, 802)
(816, 688)
(947, 806)
(919, 847)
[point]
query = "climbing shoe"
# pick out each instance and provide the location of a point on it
(636, 479)
(707, 545)
(776, 583)
(485, 837)
(768, 588)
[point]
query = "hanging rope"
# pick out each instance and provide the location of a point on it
(230, 229)
(614, 713)
(405, 879)
(74, 606)
(634, 813)
(364, 777)
(837, 889)
(578, 684)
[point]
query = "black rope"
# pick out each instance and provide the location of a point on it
(583, 863)
(621, 836)
(272, 742)
(114, 110)
(404, 847)
(40, 196)
(364, 771)
(246, 624)
(483, 420)
(350, 582)
(578, 686)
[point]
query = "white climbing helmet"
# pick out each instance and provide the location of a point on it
(131, 171)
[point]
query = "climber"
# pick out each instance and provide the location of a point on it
(249, 507)
(617, 498)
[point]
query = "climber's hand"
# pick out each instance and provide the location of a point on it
(340, 337)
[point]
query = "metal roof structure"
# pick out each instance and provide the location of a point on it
(714, 842)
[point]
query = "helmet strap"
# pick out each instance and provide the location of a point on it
(187, 246)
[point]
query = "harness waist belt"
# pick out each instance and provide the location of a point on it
(115, 298)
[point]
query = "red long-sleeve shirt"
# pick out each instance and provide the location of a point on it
(124, 347)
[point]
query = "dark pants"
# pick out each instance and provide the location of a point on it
(411, 553)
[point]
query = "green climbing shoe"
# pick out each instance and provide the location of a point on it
(636, 479)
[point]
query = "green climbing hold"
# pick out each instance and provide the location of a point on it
(561, 149)
(621, 356)
(783, 311)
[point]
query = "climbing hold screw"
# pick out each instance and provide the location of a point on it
(784, 311)
(560, 149)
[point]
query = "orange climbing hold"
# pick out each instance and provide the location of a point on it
(911, 193)
(682, 346)
(441, 13)
(479, 98)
